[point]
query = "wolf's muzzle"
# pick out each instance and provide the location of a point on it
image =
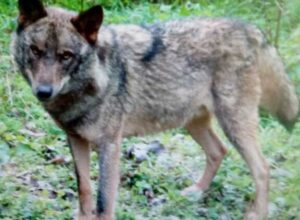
(44, 92)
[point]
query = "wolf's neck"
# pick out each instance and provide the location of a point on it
(71, 109)
(111, 61)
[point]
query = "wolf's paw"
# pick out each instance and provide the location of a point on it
(256, 214)
(86, 217)
(252, 216)
(103, 217)
(193, 191)
(80, 216)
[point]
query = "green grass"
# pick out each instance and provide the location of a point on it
(32, 188)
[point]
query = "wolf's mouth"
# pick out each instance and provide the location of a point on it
(47, 91)
(44, 92)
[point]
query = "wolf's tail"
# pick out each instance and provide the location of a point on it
(278, 94)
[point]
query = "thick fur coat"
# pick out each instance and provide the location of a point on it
(101, 84)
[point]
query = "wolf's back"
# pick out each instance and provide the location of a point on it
(278, 94)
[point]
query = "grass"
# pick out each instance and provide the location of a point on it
(33, 188)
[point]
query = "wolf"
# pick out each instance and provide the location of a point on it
(101, 83)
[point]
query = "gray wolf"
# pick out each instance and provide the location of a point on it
(103, 83)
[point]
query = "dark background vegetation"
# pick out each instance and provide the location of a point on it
(36, 172)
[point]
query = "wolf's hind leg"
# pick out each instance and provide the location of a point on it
(238, 116)
(201, 131)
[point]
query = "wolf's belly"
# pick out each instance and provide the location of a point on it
(139, 125)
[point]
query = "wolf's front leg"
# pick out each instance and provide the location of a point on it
(109, 156)
(81, 155)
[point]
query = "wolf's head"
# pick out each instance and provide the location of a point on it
(55, 48)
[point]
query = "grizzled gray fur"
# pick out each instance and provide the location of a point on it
(103, 83)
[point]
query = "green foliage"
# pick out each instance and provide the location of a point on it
(33, 188)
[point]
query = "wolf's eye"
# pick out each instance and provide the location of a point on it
(35, 50)
(66, 55)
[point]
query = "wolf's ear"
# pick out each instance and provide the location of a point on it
(30, 11)
(87, 23)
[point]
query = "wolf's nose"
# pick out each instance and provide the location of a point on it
(44, 92)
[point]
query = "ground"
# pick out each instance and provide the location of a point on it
(36, 170)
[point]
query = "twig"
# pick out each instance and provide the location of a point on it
(8, 85)
(278, 23)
